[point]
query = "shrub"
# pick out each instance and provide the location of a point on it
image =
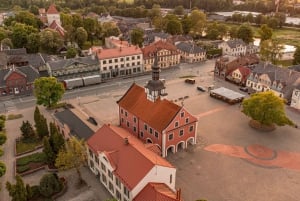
(14, 116)
(35, 191)
(2, 168)
(49, 185)
(23, 168)
(2, 138)
(35, 158)
(3, 117)
(1, 152)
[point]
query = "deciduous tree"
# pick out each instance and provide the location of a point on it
(73, 156)
(81, 36)
(265, 32)
(266, 108)
(48, 150)
(50, 41)
(48, 91)
(296, 60)
(3, 138)
(18, 191)
(245, 33)
(271, 50)
(2, 169)
(49, 184)
(137, 37)
(27, 131)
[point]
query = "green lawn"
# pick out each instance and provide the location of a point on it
(22, 147)
(30, 162)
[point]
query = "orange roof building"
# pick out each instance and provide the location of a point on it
(125, 166)
(167, 53)
(118, 62)
(53, 15)
(149, 116)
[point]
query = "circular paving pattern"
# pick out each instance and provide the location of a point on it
(260, 152)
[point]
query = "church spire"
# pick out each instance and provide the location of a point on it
(155, 88)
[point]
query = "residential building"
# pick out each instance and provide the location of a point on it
(69, 123)
(190, 52)
(167, 53)
(149, 116)
(239, 75)
(115, 42)
(126, 167)
(17, 80)
(226, 64)
(236, 47)
(268, 77)
(58, 28)
(80, 67)
(53, 15)
(118, 62)
(295, 100)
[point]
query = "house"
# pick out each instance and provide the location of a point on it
(118, 62)
(153, 37)
(149, 116)
(68, 69)
(175, 39)
(53, 15)
(17, 80)
(190, 52)
(70, 124)
(295, 100)
(268, 77)
(167, 53)
(239, 75)
(236, 47)
(127, 168)
(226, 64)
(58, 28)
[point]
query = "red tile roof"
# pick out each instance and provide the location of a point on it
(156, 192)
(149, 50)
(52, 9)
(118, 52)
(158, 114)
(55, 26)
(244, 71)
(132, 161)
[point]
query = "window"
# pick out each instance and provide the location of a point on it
(171, 178)
(134, 129)
(103, 167)
(111, 187)
(156, 134)
(118, 195)
(104, 61)
(127, 58)
(122, 120)
(104, 68)
(181, 133)
(145, 126)
(118, 183)
(132, 57)
(122, 59)
(104, 179)
(182, 114)
(125, 114)
(121, 111)
(128, 124)
(176, 124)
(141, 134)
(138, 57)
(91, 164)
(191, 128)
(187, 120)
(91, 153)
(171, 136)
(97, 160)
(126, 191)
(110, 175)
(116, 60)
(110, 61)
(150, 130)
(134, 119)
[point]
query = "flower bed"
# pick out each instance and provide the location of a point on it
(26, 147)
(261, 127)
(14, 116)
(30, 163)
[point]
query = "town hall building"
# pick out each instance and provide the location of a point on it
(148, 115)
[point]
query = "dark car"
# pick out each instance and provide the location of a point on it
(244, 89)
(200, 88)
(190, 81)
(93, 121)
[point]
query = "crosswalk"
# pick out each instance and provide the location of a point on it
(9, 106)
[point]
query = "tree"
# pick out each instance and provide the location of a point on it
(154, 12)
(296, 60)
(110, 29)
(186, 24)
(2, 124)
(50, 41)
(198, 23)
(81, 36)
(42, 127)
(7, 42)
(137, 37)
(34, 9)
(265, 32)
(3, 138)
(2, 169)
(266, 108)
(20, 33)
(18, 191)
(174, 27)
(271, 50)
(71, 52)
(27, 131)
(245, 33)
(48, 150)
(36, 115)
(73, 156)
(179, 10)
(233, 32)
(56, 139)
(33, 43)
(49, 185)
(48, 91)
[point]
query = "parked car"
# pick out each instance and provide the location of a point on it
(190, 81)
(200, 88)
(244, 89)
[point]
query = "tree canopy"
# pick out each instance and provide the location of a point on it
(271, 50)
(48, 91)
(137, 37)
(266, 108)
(296, 60)
(245, 33)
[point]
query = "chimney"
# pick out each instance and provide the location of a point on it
(126, 141)
(178, 194)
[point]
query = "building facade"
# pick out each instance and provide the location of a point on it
(124, 165)
(236, 47)
(17, 81)
(240, 75)
(118, 62)
(295, 101)
(167, 53)
(149, 116)
(53, 15)
(190, 52)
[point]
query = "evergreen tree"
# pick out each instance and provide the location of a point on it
(40, 124)
(27, 131)
(18, 191)
(48, 150)
(49, 184)
(2, 138)
(2, 169)
(37, 115)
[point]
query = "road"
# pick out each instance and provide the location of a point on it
(196, 69)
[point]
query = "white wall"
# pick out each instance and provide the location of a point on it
(295, 102)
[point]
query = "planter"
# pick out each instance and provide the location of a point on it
(261, 127)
